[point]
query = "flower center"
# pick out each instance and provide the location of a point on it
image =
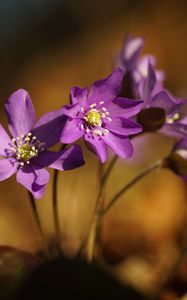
(93, 117)
(26, 152)
(24, 148)
(93, 120)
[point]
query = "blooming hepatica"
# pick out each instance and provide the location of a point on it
(26, 153)
(160, 108)
(102, 117)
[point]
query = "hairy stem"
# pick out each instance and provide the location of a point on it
(55, 206)
(37, 219)
(135, 180)
(109, 169)
(93, 232)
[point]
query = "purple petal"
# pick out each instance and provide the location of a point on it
(71, 111)
(71, 132)
(181, 145)
(131, 51)
(148, 84)
(97, 146)
(4, 141)
(20, 112)
(48, 128)
(106, 89)
(177, 129)
(68, 159)
(78, 95)
(42, 176)
(7, 169)
(119, 144)
(123, 126)
(123, 107)
(166, 101)
(28, 178)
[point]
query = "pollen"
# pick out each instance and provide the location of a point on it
(93, 117)
(24, 148)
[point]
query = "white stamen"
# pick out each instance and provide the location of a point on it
(93, 105)
(98, 132)
(109, 119)
(103, 108)
(105, 131)
(82, 108)
(101, 102)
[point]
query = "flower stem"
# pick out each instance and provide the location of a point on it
(55, 206)
(135, 180)
(93, 232)
(37, 219)
(109, 169)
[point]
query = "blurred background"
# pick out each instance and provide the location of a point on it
(46, 47)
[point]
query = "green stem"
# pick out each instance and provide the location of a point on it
(37, 219)
(93, 232)
(135, 180)
(55, 206)
(109, 169)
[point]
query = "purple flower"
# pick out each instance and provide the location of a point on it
(134, 66)
(26, 153)
(101, 117)
(130, 53)
(160, 108)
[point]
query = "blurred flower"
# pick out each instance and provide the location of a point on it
(26, 153)
(177, 160)
(101, 117)
(160, 108)
(135, 67)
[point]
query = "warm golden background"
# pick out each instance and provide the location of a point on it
(46, 47)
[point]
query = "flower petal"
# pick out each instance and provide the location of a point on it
(97, 146)
(148, 83)
(67, 159)
(71, 110)
(6, 169)
(106, 89)
(165, 100)
(121, 145)
(28, 178)
(78, 95)
(123, 126)
(48, 128)
(20, 112)
(123, 107)
(4, 141)
(71, 132)
(131, 51)
(42, 176)
(177, 129)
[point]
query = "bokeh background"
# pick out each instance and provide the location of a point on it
(46, 47)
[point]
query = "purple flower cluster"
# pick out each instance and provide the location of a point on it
(161, 110)
(103, 115)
